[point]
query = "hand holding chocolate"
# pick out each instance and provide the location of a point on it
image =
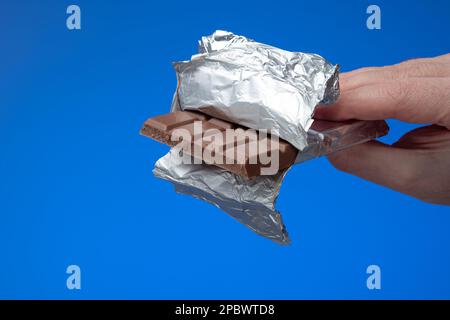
(241, 116)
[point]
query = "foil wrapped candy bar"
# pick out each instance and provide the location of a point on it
(260, 87)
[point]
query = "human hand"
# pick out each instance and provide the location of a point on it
(415, 91)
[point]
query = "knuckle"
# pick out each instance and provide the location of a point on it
(413, 69)
(395, 72)
(409, 62)
(426, 68)
(397, 92)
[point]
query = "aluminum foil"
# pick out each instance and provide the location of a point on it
(251, 202)
(256, 85)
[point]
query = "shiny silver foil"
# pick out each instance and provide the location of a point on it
(256, 85)
(251, 202)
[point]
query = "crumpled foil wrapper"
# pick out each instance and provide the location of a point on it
(256, 85)
(251, 202)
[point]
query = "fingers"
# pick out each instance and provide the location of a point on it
(377, 162)
(425, 138)
(404, 70)
(416, 165)
(415, 100)
(425, 67)
(416, 91)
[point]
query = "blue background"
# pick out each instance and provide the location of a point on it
(75, 176)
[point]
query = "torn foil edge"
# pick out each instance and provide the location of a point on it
(251, 202)
(234, 78)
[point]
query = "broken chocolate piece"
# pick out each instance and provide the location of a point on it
(244, 151)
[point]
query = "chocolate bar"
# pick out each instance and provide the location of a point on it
(237, 155)
(223, 153)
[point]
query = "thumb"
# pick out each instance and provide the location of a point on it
(377, 162)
